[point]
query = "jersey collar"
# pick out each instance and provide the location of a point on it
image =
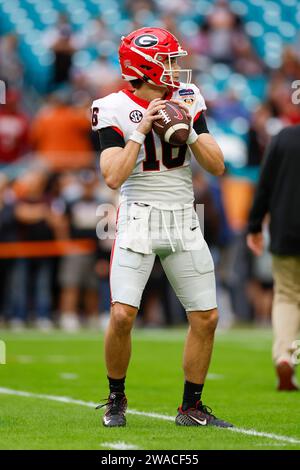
(141, 101)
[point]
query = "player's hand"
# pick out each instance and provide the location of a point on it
(255, 241)
(151, 115)
(184, 107)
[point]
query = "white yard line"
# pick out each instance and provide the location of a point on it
(24, 359)
(275, 437)
(272, 444)
(72, 401)
(68, 376)
(119, 445)
(54, 359)
(211, 376)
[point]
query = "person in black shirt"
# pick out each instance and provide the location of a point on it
(278, 194)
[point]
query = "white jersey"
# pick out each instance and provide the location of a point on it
(162, 175)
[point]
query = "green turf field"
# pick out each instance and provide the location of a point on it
(240, 388)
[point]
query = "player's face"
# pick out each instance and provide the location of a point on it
(171, 64)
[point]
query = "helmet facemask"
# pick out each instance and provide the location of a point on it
(167, 77)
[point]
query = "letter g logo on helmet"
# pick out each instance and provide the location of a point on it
(146, 40)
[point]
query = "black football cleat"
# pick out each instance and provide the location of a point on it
(199, 416)
(115, 412)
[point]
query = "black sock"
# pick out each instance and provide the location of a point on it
(116, 385)
(192, 393)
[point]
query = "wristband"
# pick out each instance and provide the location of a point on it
(193, 136)
(138, 137)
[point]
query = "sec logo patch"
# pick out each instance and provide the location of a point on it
(136, 116)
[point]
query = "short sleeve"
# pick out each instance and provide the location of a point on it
(104, 120)
(103, 114)
(110, 137)
(200, 105)
(197, 111)
(200, 124)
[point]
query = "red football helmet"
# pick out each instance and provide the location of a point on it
(142, 55)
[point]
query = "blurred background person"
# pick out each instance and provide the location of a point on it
(60, 133)
(31, 277)
(102, 75)
(11, 69)
(258, 136)
(61, 40)
(224, 31)
(8, 233)
(77, 273)
(14, 129)
(278, 194)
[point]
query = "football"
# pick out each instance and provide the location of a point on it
(174, 125)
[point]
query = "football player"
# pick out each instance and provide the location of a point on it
(156, 214)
